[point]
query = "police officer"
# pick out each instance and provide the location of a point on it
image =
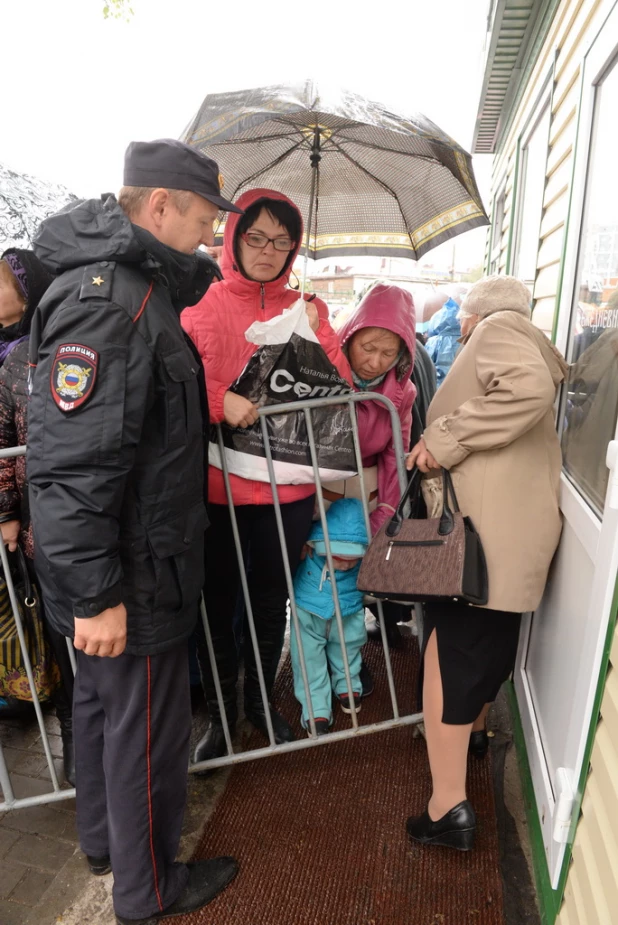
(117, 480)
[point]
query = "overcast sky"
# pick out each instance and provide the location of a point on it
(78, 88)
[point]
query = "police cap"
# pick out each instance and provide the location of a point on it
(174, 165)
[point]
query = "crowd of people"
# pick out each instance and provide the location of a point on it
(120, 346)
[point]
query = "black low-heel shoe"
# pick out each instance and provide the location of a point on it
(456, 829)
(479, 744)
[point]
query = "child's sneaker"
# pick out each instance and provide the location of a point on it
(344, 700)
(321, 726)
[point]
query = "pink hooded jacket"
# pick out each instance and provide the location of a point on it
(217, 326)
(390, 307)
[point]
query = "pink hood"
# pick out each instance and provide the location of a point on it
(386, 306)
(229, 267)
(217, 326)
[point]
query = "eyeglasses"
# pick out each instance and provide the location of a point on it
(260, 240)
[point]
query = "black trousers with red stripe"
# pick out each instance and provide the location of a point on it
(132, 721)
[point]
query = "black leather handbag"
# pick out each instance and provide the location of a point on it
(438, 559)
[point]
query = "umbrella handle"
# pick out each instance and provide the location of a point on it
(315, 157)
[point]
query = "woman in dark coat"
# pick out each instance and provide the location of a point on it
(23, 281)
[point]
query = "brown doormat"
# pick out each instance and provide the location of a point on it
(320, 834)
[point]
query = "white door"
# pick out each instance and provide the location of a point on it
(562, 644)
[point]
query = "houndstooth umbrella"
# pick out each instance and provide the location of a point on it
(369, 181)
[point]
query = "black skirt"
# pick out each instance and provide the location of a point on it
(476, 649)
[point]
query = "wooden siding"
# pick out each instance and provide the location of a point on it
(573, 25)
(591, 895)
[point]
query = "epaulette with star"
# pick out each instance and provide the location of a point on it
(97, 281)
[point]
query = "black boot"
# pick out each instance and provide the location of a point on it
(270, 640)
(393, 614)
(212, 744)
(64, 713)
(254, 711)
(99, 866)
(479, 744)
(62, 700)
(456, 829)
(206, 880)
(366, 680)
(393, 635)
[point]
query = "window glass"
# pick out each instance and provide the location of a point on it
(591, 405)
(533, 165)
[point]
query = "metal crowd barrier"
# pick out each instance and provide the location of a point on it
(11, 802)
(397, 719)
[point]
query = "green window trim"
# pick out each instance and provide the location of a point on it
(550, 901)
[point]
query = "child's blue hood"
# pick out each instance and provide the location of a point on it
(346, 529)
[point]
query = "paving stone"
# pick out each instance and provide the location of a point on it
(14, 914)
(29, 763)
(10, 875)
(29, 787)
(44, 853)
(73, 881)
(13, 756)
(7, 840)
(51, 723)
(59, 766)
(32, 887)
(42, 820)
(19, 736)
(55, 744)
(64, 806)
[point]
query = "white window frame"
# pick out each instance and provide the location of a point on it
(542, 106)
(495, 235)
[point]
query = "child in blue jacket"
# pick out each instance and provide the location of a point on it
(313, 590)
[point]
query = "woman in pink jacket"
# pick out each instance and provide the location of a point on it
(259, 248)
(379, 340)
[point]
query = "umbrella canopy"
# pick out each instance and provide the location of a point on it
(24, 202)
(372, 182)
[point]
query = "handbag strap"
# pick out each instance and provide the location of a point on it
(24, 574)
(447, 520)
(412, 490)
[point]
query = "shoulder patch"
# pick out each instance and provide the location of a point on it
(73, 375)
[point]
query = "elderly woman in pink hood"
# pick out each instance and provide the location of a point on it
(379, 341)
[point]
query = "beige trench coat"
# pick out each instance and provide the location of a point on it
(491, 424)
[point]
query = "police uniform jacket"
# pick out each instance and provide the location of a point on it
(116, 428)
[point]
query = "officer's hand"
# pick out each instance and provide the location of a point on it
(10, 533)
(239, 411)
(103, 635)
(312, 315)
